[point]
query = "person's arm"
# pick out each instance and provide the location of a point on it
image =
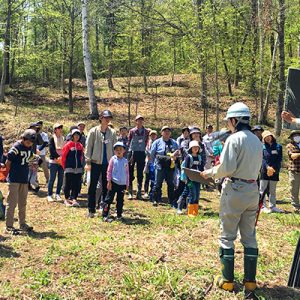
(109, 173)
(11, 155)
(114, 138)
(52, 149)
(228, 162)
(89, 146)
(290, 118)
(110, 169)
(127, 175)
(129, 138)
(65, 152)
(153, 151)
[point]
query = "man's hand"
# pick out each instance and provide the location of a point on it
(87, 167)
(109, 185)
(288, 117)
(204, 174)
(270, 171)
(295, 156)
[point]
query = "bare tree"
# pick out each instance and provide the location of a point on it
(281, 77)
(6, 48)
(88, 62)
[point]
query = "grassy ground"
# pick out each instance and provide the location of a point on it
(154, 254)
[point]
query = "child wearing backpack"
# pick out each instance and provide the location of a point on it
(193, 161)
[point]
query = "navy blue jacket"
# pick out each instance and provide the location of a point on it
(272, 156)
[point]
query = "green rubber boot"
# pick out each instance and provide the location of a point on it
(227, 260)
(250, 266)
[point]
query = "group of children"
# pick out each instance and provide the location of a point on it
(67, 165)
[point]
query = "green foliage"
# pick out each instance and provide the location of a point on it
(145, 37)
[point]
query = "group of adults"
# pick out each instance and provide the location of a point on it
(237, 162)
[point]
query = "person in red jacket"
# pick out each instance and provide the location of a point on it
(72, 156)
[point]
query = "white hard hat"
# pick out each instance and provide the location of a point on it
(238, 110)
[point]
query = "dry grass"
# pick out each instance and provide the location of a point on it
(154, 254)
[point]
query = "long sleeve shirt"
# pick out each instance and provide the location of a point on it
(272, 157)
(118, 171)
(97, 143)
(161, 147)
(241, 157)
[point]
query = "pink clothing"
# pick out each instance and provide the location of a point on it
(118, 171)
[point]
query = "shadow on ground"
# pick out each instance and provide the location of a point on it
(8, 252)
(46, 234)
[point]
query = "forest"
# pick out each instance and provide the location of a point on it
(243, 43)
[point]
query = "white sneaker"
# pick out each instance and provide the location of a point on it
(50, 199)
(179, 212)
(68, 203)
(130, 197)
(75, 203)
(58, 198)
(276, 209)
(146, 196)
(266, 210)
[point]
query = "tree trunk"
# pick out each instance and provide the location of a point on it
(144, 46)
(282, 83)
(71, 58)
(174, 62)
(266, 106)
(215, 38)
(261, 61)
(228, 77)
(111, 28)
(87, 62)
(253, 84)
(97, 32)
(6, 49)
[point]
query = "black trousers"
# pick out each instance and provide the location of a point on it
(72, 185)
(116, 189)
(96, 170)
(139, 158)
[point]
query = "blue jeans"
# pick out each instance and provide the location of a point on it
(194, 194)
(55, 169)
(160, 176)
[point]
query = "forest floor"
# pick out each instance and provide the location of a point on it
(153, 254)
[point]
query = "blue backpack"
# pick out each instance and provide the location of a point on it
(183, 176)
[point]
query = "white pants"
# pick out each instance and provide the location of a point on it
(272, 191)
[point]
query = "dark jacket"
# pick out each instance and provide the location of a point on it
(72, 155)
(52, 149)
(272, 156)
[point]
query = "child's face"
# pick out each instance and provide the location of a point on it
(76, 138)
(123, 132)
(195, 150)
(153, 136)
(119, 151)
(196, 137)
(268, 139)
(27, 143)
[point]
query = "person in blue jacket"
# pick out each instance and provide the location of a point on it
(269, 174)
(164, 152)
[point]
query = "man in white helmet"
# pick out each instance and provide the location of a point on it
(240, 162)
